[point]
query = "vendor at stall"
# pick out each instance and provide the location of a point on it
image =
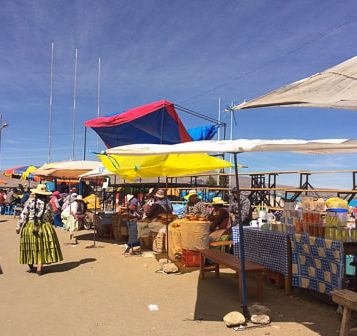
(195, 206)
(219, 218)
(219, 215)
(161, 205)
(149, 200)
(246, 210)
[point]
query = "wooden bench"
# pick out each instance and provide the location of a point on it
(347, 299)
(219, 257)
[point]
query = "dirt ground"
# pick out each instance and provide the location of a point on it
(98, 291)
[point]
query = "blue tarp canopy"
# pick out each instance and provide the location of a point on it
(156, 123)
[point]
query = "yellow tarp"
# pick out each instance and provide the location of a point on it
(92, 202)
(132, 167)
(28, 171)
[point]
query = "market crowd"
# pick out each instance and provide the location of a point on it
(44, 210)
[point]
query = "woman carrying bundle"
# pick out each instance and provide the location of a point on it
(38, 240)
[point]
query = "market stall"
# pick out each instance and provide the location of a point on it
(186, 236)
(240, 146)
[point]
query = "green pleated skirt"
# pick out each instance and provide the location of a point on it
(40, 248)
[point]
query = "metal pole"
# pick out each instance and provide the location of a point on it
(219, 118)
(50, 111)
(2, 126)
(0, 139)
(98, 99)
(74, 106)
(162, 127)
(219, 132)
(230, 155)
(85, 143)
(241, 242)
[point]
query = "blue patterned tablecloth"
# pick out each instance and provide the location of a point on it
(317, 263)
(268, 248)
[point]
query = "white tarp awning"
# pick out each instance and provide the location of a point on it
(66, 169)
(101, 171)
(333, 88)
(321, 146)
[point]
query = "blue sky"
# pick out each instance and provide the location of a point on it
(189, 52)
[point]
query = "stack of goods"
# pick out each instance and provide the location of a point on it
(151, 234)
(305, 216)
(157, 229)
(174, 240)
(158, 240)
(318, 218)
(338, 226)
(290, 219)
(194, 237)
(143, 233)
(157, 232)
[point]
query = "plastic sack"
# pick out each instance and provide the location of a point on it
(336, 203)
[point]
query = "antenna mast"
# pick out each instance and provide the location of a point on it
(50, 110)
(74, 106)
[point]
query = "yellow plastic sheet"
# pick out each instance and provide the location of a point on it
(28, 171)
(132, 167)
(92, 202)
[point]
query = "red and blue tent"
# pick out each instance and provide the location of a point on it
(17, 170)
(155, 123)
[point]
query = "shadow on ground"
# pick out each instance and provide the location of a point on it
(210, 305)
(89, 236)
(67, 266)
(218, 296)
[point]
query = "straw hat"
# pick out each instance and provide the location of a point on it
(192, 192)
(41, 190)
(160, 194)
(128, 198)
(217, 200)
(73, 197)
(151, 190)
(79, 198)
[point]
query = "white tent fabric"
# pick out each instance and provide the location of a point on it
(66, 169)
(321, 146)
(74, 165)
(97, 172)
(335, 87)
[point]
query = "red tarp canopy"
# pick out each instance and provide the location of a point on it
(156, 123)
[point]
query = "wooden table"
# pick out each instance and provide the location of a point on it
(347, 299)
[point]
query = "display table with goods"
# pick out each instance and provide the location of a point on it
(266, 247)
(186, 236)
(309, 246)
(337, 233)
(317, 263)
(105, 223)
